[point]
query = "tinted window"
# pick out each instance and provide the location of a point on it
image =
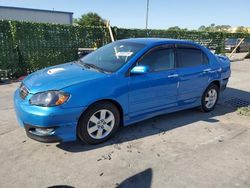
(188, 57)
(205, 58)
(159, 59)
(231, 41)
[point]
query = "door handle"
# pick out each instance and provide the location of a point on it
(173, 76)
(207, 70)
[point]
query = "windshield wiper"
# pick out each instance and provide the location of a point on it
(88, 65)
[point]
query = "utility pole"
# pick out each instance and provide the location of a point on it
(147, 15)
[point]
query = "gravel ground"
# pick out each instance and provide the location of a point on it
(183, 149)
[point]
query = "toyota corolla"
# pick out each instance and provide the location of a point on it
(117, 85)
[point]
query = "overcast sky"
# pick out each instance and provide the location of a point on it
(162, 13)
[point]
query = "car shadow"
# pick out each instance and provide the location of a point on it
(163, 123)
(142, 179)
(60, 186)
(7, 82)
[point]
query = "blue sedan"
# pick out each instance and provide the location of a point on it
(117, 85)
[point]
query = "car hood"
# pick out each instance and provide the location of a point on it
(59, 77)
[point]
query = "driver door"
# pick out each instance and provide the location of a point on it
(156, 89)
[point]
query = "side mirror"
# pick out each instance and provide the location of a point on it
(139, 70)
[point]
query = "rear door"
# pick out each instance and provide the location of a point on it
(193, 70)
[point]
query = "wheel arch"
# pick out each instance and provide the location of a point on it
(203, 107)
(217, 83)
(112, 101)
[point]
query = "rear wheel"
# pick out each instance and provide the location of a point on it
(210, 98)
(98, 123)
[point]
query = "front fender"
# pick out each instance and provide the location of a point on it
(86, 93)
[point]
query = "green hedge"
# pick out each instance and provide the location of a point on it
(26, 47)
(8, 53)
(214, 40)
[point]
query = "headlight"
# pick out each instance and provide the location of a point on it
(49, 98)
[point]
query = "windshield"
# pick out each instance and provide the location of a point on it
(113, 56)
(231, 41)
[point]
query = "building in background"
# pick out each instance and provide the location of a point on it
(35, 15)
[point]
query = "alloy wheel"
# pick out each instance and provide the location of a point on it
(100, 124)
(211, 98)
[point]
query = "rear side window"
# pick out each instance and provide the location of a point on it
(189, 57)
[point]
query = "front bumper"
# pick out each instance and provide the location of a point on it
(64, 120)
(224, 84)
(40, 138)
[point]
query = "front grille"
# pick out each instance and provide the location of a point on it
(23, 91)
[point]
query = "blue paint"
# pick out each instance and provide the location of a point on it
(141, 94)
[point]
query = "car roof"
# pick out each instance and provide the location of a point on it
(152, 41)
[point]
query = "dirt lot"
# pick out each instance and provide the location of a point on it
(184, 149)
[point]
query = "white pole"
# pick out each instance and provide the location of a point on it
(110, 31)
(147, 14)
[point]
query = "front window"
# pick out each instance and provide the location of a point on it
(113, 56)
(159, 59)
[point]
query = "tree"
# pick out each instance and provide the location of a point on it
(241, 29)
(202, 28)
(211, 28)
(223, 28)
(176, 28)
(215, 28)
(90, 19)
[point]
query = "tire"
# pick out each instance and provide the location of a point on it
(205, 107)
(238, 50)
(91, 123)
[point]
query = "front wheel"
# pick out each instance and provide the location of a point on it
(210, 98)
(98, 123)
